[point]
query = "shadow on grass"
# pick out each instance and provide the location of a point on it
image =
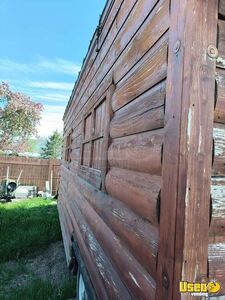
(40, 290)
(26, 227)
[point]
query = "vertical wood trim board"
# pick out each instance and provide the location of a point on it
(187, 156)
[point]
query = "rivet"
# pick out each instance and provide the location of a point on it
(177, 46)
(212, 51)
(165, 280)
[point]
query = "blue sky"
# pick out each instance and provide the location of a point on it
(43, 43)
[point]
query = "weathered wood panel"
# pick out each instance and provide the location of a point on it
(216, 264)
(138, 190)
(222, 8)
(64, 230)
(109, 32)
(144, 113)
(187, 147)
(150, 32)
(150, 72)
(140, 284)
(219, 115)
(221, 37)
(115, 288)
(217, 227)
(219, 150)
(139, 235)
(139, 152)
(89, 261)
(141, 10)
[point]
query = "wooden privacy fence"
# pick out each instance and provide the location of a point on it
(35, 171)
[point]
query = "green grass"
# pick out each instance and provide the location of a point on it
(27, 226)
(40, 290)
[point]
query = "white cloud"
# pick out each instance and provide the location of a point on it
(51, 120)
(60, 66)
(51, 85)
(49, 123)
(56, 65)
(51, 97)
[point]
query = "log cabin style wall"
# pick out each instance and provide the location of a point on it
(216, 248)
(138, 152)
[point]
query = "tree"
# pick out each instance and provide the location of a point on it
(19, 117)
(53, 146)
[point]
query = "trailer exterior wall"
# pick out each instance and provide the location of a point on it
(141, 216)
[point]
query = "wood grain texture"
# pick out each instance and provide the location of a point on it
(219, 115)
(222, 8)
(219, 150)
(113, 285)
(220, 76)
(139, 236)
(139, 283)
(139, 152)
(216, 264)
(137, 14)
(115, 12)
(89, 261)
(126, 36)
(138, 190)
(150, 72)
(187, 147)
(217, 226)
(144, 113)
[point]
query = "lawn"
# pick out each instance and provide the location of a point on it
(27, 229)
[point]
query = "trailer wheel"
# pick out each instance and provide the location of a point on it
(81, 289)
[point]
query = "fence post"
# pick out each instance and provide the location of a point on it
(49, 172)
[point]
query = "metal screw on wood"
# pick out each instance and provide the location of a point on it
(177, 46)
(165, 281)
(212, 51)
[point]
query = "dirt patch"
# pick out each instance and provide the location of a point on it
(50, 265)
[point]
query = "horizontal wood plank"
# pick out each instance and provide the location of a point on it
(139, 191)
(126, 35)
(222, 8)
(102, 286)
(219, 150)
(219, 115)
(140, 284)
(139, 152)
(216, 264)
(144, 76)
(139, 236)
(144, 113)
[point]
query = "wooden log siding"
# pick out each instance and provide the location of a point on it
(162, 109)
(131, 272)
(189, 107)
(219, 115)
(220, 77)
(35, 171)
(88, 259)
(139, 235)
(145, 113)
(115, 288)
(222, 8)
(216, 234)
(125, 37)
(139, 152)
(138, 190)
(219, 150)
